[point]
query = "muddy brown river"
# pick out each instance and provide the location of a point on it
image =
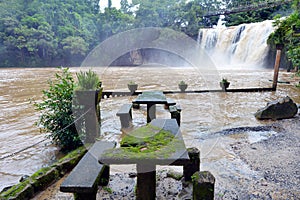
(202, 113)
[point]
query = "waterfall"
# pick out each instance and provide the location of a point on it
(237, 46)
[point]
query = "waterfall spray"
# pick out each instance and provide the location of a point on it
(237, 46)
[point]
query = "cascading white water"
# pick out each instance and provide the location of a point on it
(238, 46)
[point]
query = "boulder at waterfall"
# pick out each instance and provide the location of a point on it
(280, 109)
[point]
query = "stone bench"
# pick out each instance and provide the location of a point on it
(125, 114)
(170, 102)
(84, 179)
(175, 113)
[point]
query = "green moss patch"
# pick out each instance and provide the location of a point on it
(148, 136)
(69, 161)
(146, 142)
(175, 175)
(43, 178)
(22, 190)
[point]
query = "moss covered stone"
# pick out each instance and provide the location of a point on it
(20, 191)
(147, 142)
(175, 175)
(43, 177)
(203, 185)
(69, 161)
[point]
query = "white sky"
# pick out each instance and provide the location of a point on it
(115, 3)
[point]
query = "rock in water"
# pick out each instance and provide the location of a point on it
(280, 109)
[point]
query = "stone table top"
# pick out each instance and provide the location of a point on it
(152, 97)
(173, 153)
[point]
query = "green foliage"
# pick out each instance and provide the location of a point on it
(88, 80)
(294, 55)
(56, 111)
(37, 32)
(108, 189)
(182, 83)
(131, 83)
(113, 21)
(254, 15)
(195, 177)
(75, 46)
(52, 32)
(224, 80)
(286, 33)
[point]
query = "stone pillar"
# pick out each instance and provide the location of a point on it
(193, 165)
(88, 103)
(203, 186)
(91, 125)
(146, 182)
(151, 112)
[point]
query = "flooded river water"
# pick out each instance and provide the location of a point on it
(203, 114)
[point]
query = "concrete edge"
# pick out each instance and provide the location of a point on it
(44, 177)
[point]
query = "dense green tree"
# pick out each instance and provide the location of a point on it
(288, 33)
(55, 32)
(35, 31)
(113, 21)
(254, 15)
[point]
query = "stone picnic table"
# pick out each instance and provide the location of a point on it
(151, 98)
(158, 143)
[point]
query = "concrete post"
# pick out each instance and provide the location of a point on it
(146, 182)
(193, 165)
(203, 186)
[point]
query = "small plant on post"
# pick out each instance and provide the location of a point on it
(132, 86)
(224, 84)
(88, 80)
(182, 86)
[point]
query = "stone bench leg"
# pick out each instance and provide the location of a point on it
(85, 196)
(194, 164)
(126, 120)
(146, 182)
(103, 181)
(176, 115)
(151, 112)
(203, 186)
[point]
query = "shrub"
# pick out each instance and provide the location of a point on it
(56, 111)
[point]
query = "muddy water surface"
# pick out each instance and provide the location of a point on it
(202, 115)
